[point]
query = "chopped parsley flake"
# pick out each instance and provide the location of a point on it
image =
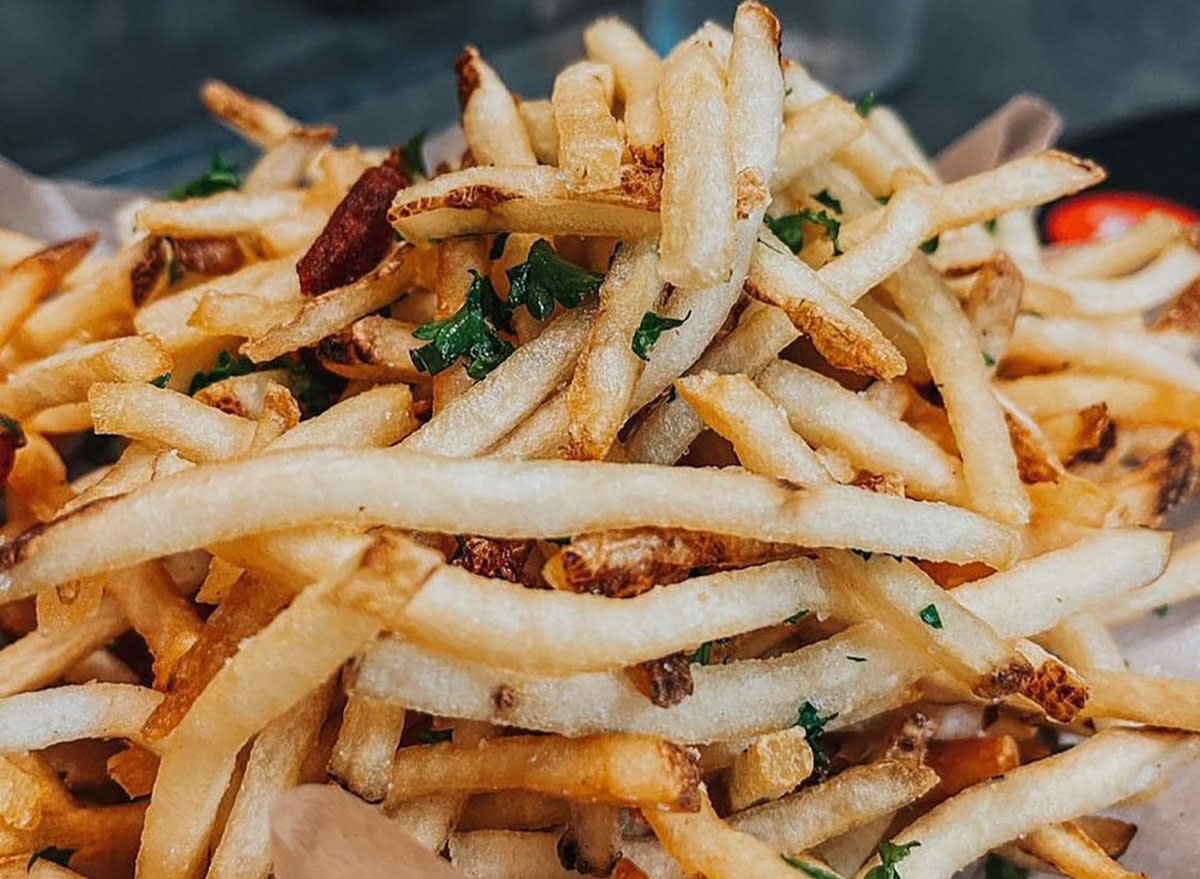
(931, 617)
(220, 176)
(652, 326)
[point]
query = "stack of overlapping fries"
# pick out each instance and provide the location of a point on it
(683, 481)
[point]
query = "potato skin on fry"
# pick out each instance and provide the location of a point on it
(356, 237)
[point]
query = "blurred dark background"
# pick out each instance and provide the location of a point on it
(105, 90)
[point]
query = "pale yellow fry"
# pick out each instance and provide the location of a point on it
(758, 428)
(475, 421)
(1106, 769)
(668, 431)
(589, 144)
(638, 72)
(253, 118)
(285, 164)
(1114, 255)
(273, 766)
(500, 854)
(41, 657)
(813, 133)
(699, 191)
(165, 418)
(1072, 852)
(374, 348)
(32, 721)
(226, 213)
(1167, 702)
(729, 702)
(560, 632)
(1172, 271)
(827, 414)
(773, 765)
(490, 121)
(1050, 586)
(1089, 345)
(1129, 401)
(66, 377)
(489, 497)
(366, 743)
(900, 333)
(1180, 581)
(601, 388)
(242, 395)
(240, 314)
(538, 117)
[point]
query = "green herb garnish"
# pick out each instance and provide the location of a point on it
(1162, 610)
(161, 381)
(806, 868)
(795, 618)
(498, 243)
(823, 197)
(310, 392)
(990, 225)
(789, 229)
(433, 736)
(988, 360)
(931, 245)
(413, 154)
(702, 654)
(469, 333)
(1002, 868)
(930, 616)
(225, 367)
(652, 326)
(545, 278)
(890, 855)
(814, 727)
(864, 107)
(220, 176)
(883, 199)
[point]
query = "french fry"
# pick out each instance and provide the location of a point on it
(772, 766)
(231, 709)
(273, 766)
(237, 314)
(1046, 791)
(490, 120)
(699, 191)
(665, 434)
(1178, 582)
(1114, 255)
(226, 213)
(556, 638)
(703, 843)
(627, 770)
(756, 425)
(813, 133)
(512, 810)
(285, 163)
(374, 348)
(241, 395)
(40, 657)
(335, 309)
(1086, 435)
(826, 414)
(66, 377)
(1144, 699)
(637, 71)
(35, 277)
(1070, 850)
(538, 117)
(253, 118)
(602, 386)
(156, 611)
(366, 743)
(839, 331)
(730, 701)
(354, 486)
(134, 770)
(37, 720)
(589, 144)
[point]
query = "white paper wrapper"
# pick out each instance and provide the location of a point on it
(1167, 845)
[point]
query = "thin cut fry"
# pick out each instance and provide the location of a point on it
(490, 120)
(961, 763)
(1072, 852)
(226, 213)
(637, 71)
(34, 278)
(253, 118)
(589, 144)
(366, 744)
(39, 658)
(32, 721)
(772, 766)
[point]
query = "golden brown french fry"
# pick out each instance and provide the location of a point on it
(1169, 274)
(961, 763)
(630, 770)
(1128, 400)
(156, 611)
(35, 277)
(1114, 255)
(589, 144)
(226, 213)
(770, 767)
(285, 163)
(1072, 852)
(1125, 695)
(134, 770)
(457, 261)
(374, 348)
(40, 657)
(538, 117)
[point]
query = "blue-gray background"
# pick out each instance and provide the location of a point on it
(105, 90)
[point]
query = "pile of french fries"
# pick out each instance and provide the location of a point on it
(684, 481)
